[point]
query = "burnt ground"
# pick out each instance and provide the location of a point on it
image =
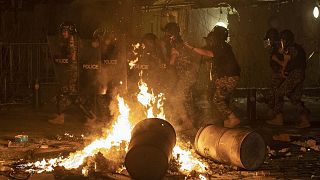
(292, 153)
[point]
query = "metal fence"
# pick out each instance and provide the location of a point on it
(21, 65)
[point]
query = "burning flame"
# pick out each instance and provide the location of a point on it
(132, 63)
(113, 139)
(149, 100)
(121, 133)
(136, 47)
(187, 160)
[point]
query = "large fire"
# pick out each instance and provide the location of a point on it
(120, 133)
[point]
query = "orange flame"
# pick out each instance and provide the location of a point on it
(121, 133)
(113, 139)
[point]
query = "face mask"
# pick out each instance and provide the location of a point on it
(267, 43)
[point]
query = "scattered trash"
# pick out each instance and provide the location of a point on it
(288, 154)
(15, 144)
(271, 152)
(309, 144)
(284, 150)
(282, 137)
(21, 138)
(44, 146)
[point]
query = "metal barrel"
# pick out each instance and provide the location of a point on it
(240, 147)
(150, 149)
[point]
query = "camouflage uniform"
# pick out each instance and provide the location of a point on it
(224, 88)
(292, 87)
(276, 80)
(292, 84)
(227, 73)
(68, 92)
(69, 88)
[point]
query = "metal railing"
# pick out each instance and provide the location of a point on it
(21, 65)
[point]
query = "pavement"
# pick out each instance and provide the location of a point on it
(291, 154)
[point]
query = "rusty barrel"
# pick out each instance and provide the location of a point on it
(150, 149)
(240, 147)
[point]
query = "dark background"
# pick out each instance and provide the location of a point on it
(25, 25)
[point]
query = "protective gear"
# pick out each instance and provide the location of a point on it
(220, 33)
(209, 36)
(68, 26)
(287, 38)
(271, 37)
(150, 37)
(172, 28)
(149, 41)
(99, 33)
(277, 120)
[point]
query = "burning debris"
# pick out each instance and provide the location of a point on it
(107, 153)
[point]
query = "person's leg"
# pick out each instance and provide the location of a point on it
(63, 101)
(295, 96)
(279, 94)
(224, 87)
(286, 88)
(180, 100)
(275, 83)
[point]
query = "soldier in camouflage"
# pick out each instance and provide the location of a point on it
(293, 73)
(227, 73)
(272, 42)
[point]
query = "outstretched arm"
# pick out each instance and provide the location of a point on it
(200, 51)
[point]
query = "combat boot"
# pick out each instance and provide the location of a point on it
(277, 120)
(58, 119)
(232, 121)
(303, 121)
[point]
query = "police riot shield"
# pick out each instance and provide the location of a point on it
(66, 69)
(112, 70)
(89, 67)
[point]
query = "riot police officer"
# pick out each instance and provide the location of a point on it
(105, 40)
(148, 66)
(66, 62)
(66, 67)
(182, 74)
